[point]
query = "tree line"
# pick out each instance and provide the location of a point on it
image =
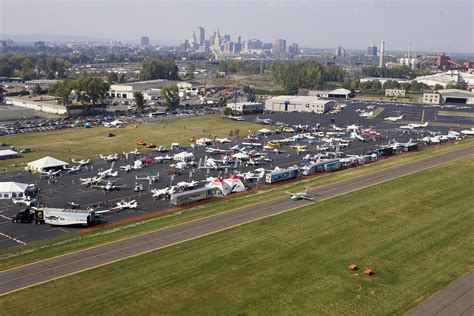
(29, 67)
(306, 74)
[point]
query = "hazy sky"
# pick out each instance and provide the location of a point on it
(436, 25)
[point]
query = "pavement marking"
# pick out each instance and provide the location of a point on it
(1, 215)
(13, 238)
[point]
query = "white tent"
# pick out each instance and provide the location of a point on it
(45, 164)
(220, 185)
(12, 189)
(235, 183)
(183, 156)
(7, 153)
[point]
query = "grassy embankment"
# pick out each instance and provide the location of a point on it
(415, 232)
(49, 248)
(88, 143)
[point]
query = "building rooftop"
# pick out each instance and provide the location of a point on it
(298, 99)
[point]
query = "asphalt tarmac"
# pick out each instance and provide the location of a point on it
(68, 189)
(32, 274)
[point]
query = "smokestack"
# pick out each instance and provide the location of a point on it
(382, 51)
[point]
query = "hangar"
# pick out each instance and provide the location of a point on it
(456, 96)
(291, 103)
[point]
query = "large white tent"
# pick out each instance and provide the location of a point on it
(184, 156)
(45, 163)
(203, 141)
(12, 189)
(235, 183)
(219, 185)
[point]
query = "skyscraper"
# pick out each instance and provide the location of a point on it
(382, 52)
(340, 52)
(279, 46)
(293, 49)
(372, 51)
(145, 41)
(200, 35)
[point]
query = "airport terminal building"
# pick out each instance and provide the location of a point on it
(290, 103)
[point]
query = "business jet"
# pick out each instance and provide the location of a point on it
(393, 118)
(300, 195)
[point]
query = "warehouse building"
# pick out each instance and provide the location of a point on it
(247, 107)
(289, 103)
(457, 96)
(395, 93)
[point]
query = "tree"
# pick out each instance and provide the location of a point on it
(456, 85)
(228, 111)
(170, 95)
(438, 87)
(92, 90)
(112, 77)
(2, 97)
(139, 100)
(159, 69)
(37, 90)
(62, 90)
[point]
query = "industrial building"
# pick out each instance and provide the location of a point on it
(247, 107)
(289, 103)
(334, 94)
(151, 89)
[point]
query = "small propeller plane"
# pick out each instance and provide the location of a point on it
(82, 162)
(109, 158)
(152, 178)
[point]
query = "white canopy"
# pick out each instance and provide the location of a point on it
(183, 156)
(45, 163)
(12, 187)
(220, 185)
(235, 183)
(7, 152)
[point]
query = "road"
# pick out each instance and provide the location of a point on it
(43, 271)
(456, 299)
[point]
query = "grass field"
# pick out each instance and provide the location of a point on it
(88, 143)
(71, 242)
(415, 232)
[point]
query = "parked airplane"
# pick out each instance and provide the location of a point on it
(126, 205)
(236, 118)
(82, 162)
(414, 125)
(109, 186)
(28, 200)
(109, 158)
(115, 123)
(73, 205)
(91, 181)
(223, 140)
(393, 118)
(152, 178)
(50, 173)
(300, 195)
(352, 128)
(263, 121)
(73, 169)
(469, 132)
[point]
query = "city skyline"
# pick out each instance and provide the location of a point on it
(353, 25)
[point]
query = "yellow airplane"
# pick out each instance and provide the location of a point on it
(288, 129)
(272, 145)
(299, 148)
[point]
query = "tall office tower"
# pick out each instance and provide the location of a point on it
(340, 52)
(145, 41)
(236, 39)
(372, 51)
(279, 46)
(293, 49)
(382, 52)
(200, 35)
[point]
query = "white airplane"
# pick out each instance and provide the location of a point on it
(263, 121)
(74, 205)
(469, 132)
(109, 186)
(187, 185)
(223, 140)
(82, 162)
(134, 152)
(354, 135)
(393, 118)
(50, 173)
(73, 169)
(24, 200)
(334, 127)
(109, 158)
(215, 151)
(413, 126)
(352, 128)
(236, 118)
(91, 181)
(109, 172)
(300, 195)
(152, 178)
(125, 205)
(115, 123)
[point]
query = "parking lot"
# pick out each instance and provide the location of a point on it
(68, 188)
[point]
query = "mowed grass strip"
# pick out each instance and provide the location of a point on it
(455, 113)
(376, 112)
(89, 142)
(415, 232)
(71, 242)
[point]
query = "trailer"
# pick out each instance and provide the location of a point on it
(65, 217)
(191, 196)
(281, 175)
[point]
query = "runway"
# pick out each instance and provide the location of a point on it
(36, 273)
